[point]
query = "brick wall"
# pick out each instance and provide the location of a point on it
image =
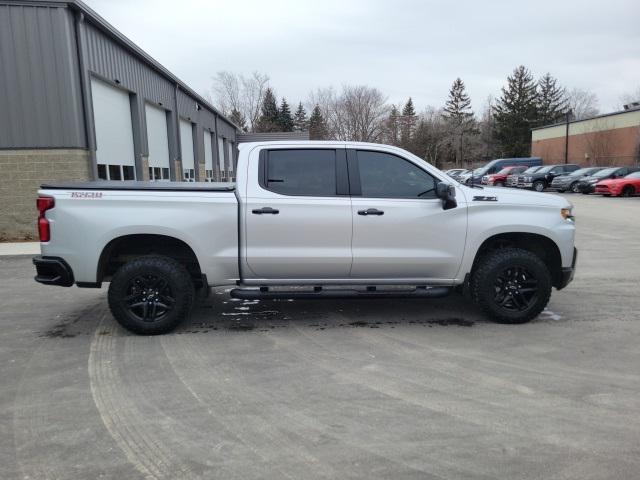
(21, 173)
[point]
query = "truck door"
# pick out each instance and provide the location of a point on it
(400, 230)
(298, 214)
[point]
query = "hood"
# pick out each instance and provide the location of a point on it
(610, 181)
(508, 196)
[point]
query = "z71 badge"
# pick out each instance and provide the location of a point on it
(481, 198)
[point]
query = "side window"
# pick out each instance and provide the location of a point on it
(383, 175)
(300, 172)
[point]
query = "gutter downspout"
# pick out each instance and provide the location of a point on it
(87, 106)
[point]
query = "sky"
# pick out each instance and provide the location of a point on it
(405, 48)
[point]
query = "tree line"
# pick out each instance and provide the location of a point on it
(450, 134)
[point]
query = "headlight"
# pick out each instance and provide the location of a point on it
(566, 214)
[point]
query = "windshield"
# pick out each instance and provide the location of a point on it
(479, 171)
(605, 173)
(580, 171)
(545, 169)
(506, 170)
(531, 169)
(633, 175)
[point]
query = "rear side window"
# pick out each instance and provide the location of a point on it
(300, 172)
(383, 175)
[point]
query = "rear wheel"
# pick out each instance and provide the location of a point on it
(538, 186)
(151, 295)
(628, 191)
(511, 285)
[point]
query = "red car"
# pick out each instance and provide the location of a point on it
(620, 187)
(500, 179)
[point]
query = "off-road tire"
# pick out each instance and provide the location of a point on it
(179, 285)
(484, 277)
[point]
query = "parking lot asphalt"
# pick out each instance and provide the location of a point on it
(345, 389)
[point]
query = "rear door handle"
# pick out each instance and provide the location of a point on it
(370, 211)
(265, 210)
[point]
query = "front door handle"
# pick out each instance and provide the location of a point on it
(265, 210)
(370, 211)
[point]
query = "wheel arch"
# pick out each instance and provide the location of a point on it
(124, 248)
(540, 245)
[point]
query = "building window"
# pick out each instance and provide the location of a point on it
(208, 175)
(116, 172)
(158, 174)
(190, 175)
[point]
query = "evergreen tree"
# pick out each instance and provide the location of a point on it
(285, 120)
(459, 116)
(552, 102)
(393, 126)
(317, 125)
(516, 112)
(238, 118)
(269, 118)
(300, 121)
(407, 124)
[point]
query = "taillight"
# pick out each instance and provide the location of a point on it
(44, 203)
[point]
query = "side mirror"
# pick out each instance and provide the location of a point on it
(447, 193)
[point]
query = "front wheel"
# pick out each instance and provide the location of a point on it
(511, 285)
(538, 186)
(575, 188)
(628, 191)
(499, 184)
(151, 295)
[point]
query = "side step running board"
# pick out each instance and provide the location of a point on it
(335, 293)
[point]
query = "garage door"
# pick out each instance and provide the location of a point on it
(186, 145)
(158, 140)
(208, 156)
(114, 132)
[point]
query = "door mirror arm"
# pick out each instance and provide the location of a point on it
(447, 193)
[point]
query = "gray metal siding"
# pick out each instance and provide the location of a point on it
(40, 100)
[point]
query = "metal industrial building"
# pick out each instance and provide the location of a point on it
(79, 101)
(609, 139)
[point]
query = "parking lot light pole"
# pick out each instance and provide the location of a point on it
(566, 137)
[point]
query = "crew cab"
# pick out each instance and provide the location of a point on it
(306, 220)
(542, 178)
(620, 187)
(500, 179)
(588, 184)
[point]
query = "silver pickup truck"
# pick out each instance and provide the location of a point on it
(306, 220)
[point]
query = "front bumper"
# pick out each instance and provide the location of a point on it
(587, 187)
(568, 273)
(52, 271)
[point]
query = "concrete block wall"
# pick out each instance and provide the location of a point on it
(21, 174)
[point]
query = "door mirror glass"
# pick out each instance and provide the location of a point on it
(447, 193)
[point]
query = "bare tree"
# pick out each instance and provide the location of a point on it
(358, 113)
(582, 103)
(235, 92)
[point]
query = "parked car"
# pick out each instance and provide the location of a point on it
(373, 215)
(455, 172)
(500, 179)
(494, 166)
(512, 180)
(588, 184)
(541, 179)
(570, 182)
(620, 187)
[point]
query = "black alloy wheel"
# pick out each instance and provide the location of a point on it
(149, 298)
(575, 187)
(516, 289)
